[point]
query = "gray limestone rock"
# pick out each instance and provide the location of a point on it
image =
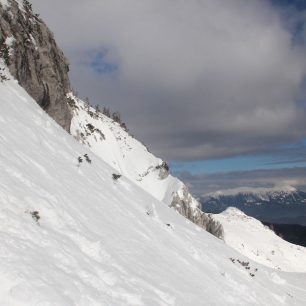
(183, 205)
(35, 60)
(163, 169)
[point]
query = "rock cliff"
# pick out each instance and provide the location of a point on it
(35, 59)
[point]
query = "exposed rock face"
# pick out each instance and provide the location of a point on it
(163, 170)
(35, 60)
(187, 206)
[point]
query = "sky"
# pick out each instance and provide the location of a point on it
(215, 87)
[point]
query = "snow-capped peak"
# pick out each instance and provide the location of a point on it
(281, 189)
(233, 212)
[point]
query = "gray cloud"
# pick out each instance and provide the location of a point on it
(202, 184)
(195, 79)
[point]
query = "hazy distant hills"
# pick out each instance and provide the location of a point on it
(285, 205)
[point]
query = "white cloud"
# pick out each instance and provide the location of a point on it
(257, 179)
(196, 78)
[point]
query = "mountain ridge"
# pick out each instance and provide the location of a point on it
(258, 242)
(268, 204)
(111, 142)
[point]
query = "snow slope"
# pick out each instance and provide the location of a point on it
(105, 242)
(108, 140)
(251, 238)
(123, 152)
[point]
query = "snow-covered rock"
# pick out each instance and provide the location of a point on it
(130, 158)
(258, 242)
(71, 235)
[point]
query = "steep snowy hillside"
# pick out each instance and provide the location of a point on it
(72, 235)
(41, 68)
(256, 241)
(109, 140)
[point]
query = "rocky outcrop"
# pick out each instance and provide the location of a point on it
(188, 207)
(163, 170)
(35, 59)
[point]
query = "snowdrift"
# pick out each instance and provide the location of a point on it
(256, 241)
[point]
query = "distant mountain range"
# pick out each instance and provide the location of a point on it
(286, 205)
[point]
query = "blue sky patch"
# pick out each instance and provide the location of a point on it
(291, 156)
(101, 64)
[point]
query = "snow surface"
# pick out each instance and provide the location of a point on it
(126, 154)
(105, 242)
(256, 241)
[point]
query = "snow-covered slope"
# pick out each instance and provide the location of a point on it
(256, 241)
(109, 140)
(128, 156)
(105, 242)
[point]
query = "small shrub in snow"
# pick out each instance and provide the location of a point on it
(87, 158)
(80, 160)
(102, 136)
(72, 103)
(90, 127)
(2, 76)
(5, 53)
(149, 211)
(87, 104)
(35, 215)
(116, 176)
(170, 225)
(106, 112)
(117, 117)
(244, 264)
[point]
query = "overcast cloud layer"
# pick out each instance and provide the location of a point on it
(202, 184)
(193, 79)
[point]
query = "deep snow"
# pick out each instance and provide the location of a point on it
(256, 241)
(105, 242)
